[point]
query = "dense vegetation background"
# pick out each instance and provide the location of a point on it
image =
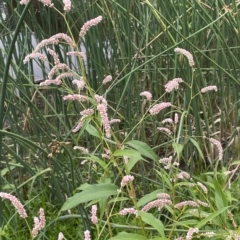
(134, 43)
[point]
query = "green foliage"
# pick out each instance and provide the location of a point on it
(134, 43)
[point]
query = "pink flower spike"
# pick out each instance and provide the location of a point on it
(73, 97)
(65, 75)
(39, 223)
(79, 83)
(49, 82)
(159, 203)
(186, 54)
(175, 118)
(107, 79)
(16, 203)
(182, 175)
(60, 236)
(204, 204)
(67, 5)
(87, 235)
(34, 55)
(84, 150)
(24, 2)
(126, 211)
(202, 187)
(87, 112)
(94, 218)
(86, 26)
(167, 120)
(209, 88)
(126, 179)
(47, 3)
(173, 84)
(44, 43)
(56, 68)
(146, 94)
(159, 107)
(102, 108)
(166, 160)
(76, 53)
(186, 203)
(64, 37)
(55, 56)
(163, 129)
(190, 233)
(163, 196)
(219, 147)
(115, 120)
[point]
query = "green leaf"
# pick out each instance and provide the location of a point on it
(134, 156)
(154, 222)
(197, 146)
(6, 170)
(128, 236)
(159, 238)
(178, 148)
(118, 199)
(92, 192)
(148, 198)
(211, 217)
(220, 198)
(103, 201)
(143, 148)
(83, 186)
(236, 162)
(92, 131)
(98, 160)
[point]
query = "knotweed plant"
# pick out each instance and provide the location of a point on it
(179, 205)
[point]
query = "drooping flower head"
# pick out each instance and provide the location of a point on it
(219, 147)
(146, 94)
(186, 54)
